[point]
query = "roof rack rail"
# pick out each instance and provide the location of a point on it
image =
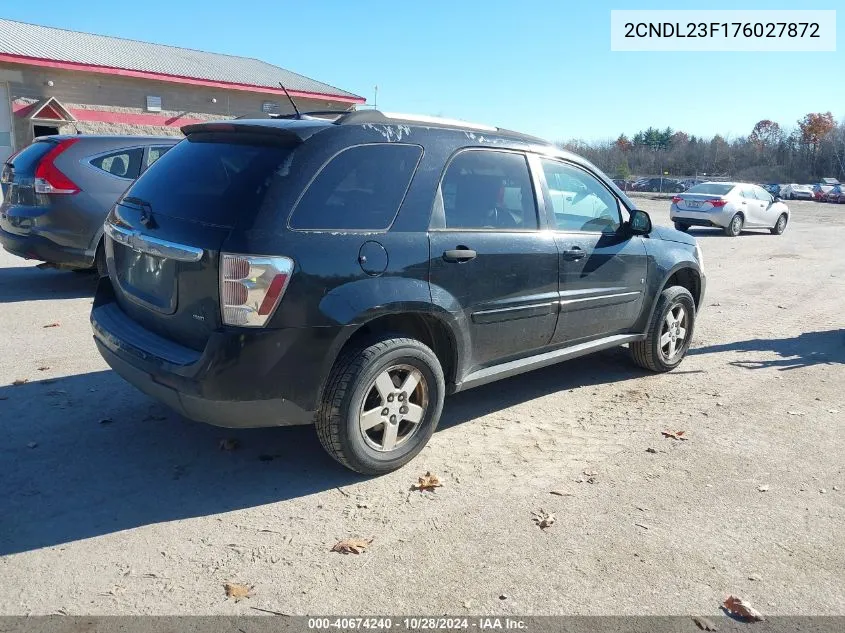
(376, 116)
(313, 114)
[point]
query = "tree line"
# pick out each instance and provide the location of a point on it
(813, 149)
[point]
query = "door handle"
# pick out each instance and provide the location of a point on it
(744, 202)
(459, 254)
(573, 254)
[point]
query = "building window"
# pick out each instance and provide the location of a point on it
(153, 104)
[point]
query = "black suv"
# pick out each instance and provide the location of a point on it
(352, 272)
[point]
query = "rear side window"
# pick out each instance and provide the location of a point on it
(125, 163)
(361, 188)
(210, 179)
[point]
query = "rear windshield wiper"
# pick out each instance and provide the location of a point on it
(138, 202)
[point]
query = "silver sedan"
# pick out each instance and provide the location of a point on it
(730, 206)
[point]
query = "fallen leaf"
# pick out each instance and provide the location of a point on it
(675, 435)
(543, 519)
(650, 450)
(742, 609)
(229, 444)
(54, 324)
(17, 382)
(352, 545)
(561, 493)
(795, 413)
(763, 488)
(236, 591)
(44, 368)
(427, 482)
(704, 624)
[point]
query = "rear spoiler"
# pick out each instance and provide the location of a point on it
(277, 130)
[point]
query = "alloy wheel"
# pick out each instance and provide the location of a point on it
(393, 408)
(674, 332)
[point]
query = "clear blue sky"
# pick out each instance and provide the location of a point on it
(538, 66)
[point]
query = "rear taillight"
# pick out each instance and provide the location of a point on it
(251, 287)
(718, 203)
(676, 199)
(48, 178)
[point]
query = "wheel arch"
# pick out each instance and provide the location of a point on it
(685, 274)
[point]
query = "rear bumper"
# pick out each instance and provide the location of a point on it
(700, 218)
(240, 380)
(43, 249)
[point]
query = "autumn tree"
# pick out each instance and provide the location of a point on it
(765, 135)
(623, 144)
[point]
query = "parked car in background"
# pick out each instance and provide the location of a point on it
(774, 189)
(820, 191)
(837, 194)
(797, 192)
(730, 206)
(58, 190)
(336, 294)
(829, 181)
(664, 185)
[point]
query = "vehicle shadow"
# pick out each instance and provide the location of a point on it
(29, 283)
(805, 350)
(88, 455)
(713, 232)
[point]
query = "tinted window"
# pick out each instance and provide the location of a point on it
(711, 188)
(580, 202)
(489, 190)
(125, 163)
(154, 153)
(359, 189)
(210, 179)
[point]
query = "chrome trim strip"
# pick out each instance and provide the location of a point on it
(137, 241)
(547, 304)
(565, 302)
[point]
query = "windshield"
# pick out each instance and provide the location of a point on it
(711, 188)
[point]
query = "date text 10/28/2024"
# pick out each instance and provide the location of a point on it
(419, 624)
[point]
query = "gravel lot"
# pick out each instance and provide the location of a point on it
(113, 505)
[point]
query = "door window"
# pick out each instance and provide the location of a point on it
(154, 153)
(748, 193)
(486, 189)
(763, 195)
(125, 163)
(579, 201)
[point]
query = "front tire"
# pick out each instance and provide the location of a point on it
(381, 405)
(680, 226)
(734, 227)
(780, 225)
(669, 333)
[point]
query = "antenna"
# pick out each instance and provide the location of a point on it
(287, 94)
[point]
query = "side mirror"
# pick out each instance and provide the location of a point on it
(640, 222)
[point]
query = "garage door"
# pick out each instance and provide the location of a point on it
(5, 123)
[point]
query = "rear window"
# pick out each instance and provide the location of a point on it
(28, 158)
(210, 180)
(361, 188)
(124, 163)
(711, 188)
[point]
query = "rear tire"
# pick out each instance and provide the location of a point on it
(780, 225)
(682, 227)
(734, 228)
(669, 333)
(368, 381)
